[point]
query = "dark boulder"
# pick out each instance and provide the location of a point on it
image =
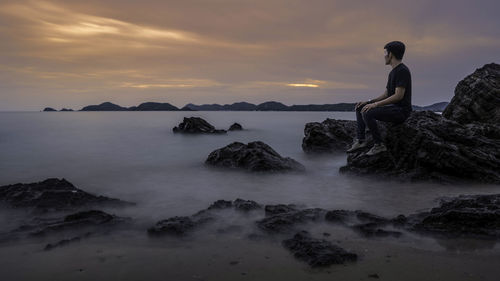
(235, 127)
(477, 97)
(49, 109)
(196, 125)
(284, 222)
(271, 210)
(92, 221)
(470, 216)
(66, 109)
(254, 156)
(328, 136)
(428, 146)
(221, 204)
(53, 195)
(177, 225)
(317, 252)
(246, 205)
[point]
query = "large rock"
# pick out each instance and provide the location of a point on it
(52, 195)
(328, 136)
(477, 97)
(254, 156)
(428, 146)
(196, 125)
(317, 252)
(469, 216)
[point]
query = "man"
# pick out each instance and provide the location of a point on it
(393, 106)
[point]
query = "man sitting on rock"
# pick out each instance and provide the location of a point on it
(393, 106)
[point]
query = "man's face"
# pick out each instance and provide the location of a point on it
(387, 56)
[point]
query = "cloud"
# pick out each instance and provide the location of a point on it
(324, 51)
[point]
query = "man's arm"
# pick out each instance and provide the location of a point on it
(362, 103)
(398, 95)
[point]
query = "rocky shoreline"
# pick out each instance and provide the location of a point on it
(468, 216)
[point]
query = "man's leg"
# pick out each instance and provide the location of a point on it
(360, 133)
(388, 113)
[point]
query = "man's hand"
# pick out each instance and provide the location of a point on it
(369, 106)
(360, 104)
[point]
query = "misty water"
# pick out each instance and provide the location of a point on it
(135, 156)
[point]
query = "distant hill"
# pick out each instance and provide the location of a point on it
(153, 106)
(239, 106)
(105, 106)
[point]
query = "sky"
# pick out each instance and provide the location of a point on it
(76, 53)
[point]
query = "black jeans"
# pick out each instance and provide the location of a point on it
(387, 113)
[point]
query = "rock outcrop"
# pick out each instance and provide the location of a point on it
(477, 97)
(49, 109)
(235, 127)
(317, 252)
(428, 146)
(330, 135)
(53, 195)
(254, 156)
(461, 145)
(196, 125)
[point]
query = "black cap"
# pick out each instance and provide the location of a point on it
(397, 48)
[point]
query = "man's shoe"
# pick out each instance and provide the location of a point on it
(356, 145)
(377, 148)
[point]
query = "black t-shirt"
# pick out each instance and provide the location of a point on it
(400, 77)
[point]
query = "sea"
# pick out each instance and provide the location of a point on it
(135, 156)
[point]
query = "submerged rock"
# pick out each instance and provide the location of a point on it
(246, 205)
(477, 97)
(283, 222)
(92, 220)
(474, 216)
(254, 156)
(196, 125)
(179, 225)
(53, 195)
(317, 252)
(235, 127)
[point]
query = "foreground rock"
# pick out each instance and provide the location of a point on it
(477, 97)
(196, 125)
(317, 252)
(470, 216)
(288, 218)
(77, 221)
(428, 146)
(254, 156)
(183, 225)
(79, 225)
(53, 195)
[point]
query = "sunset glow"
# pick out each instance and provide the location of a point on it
(226, 51)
